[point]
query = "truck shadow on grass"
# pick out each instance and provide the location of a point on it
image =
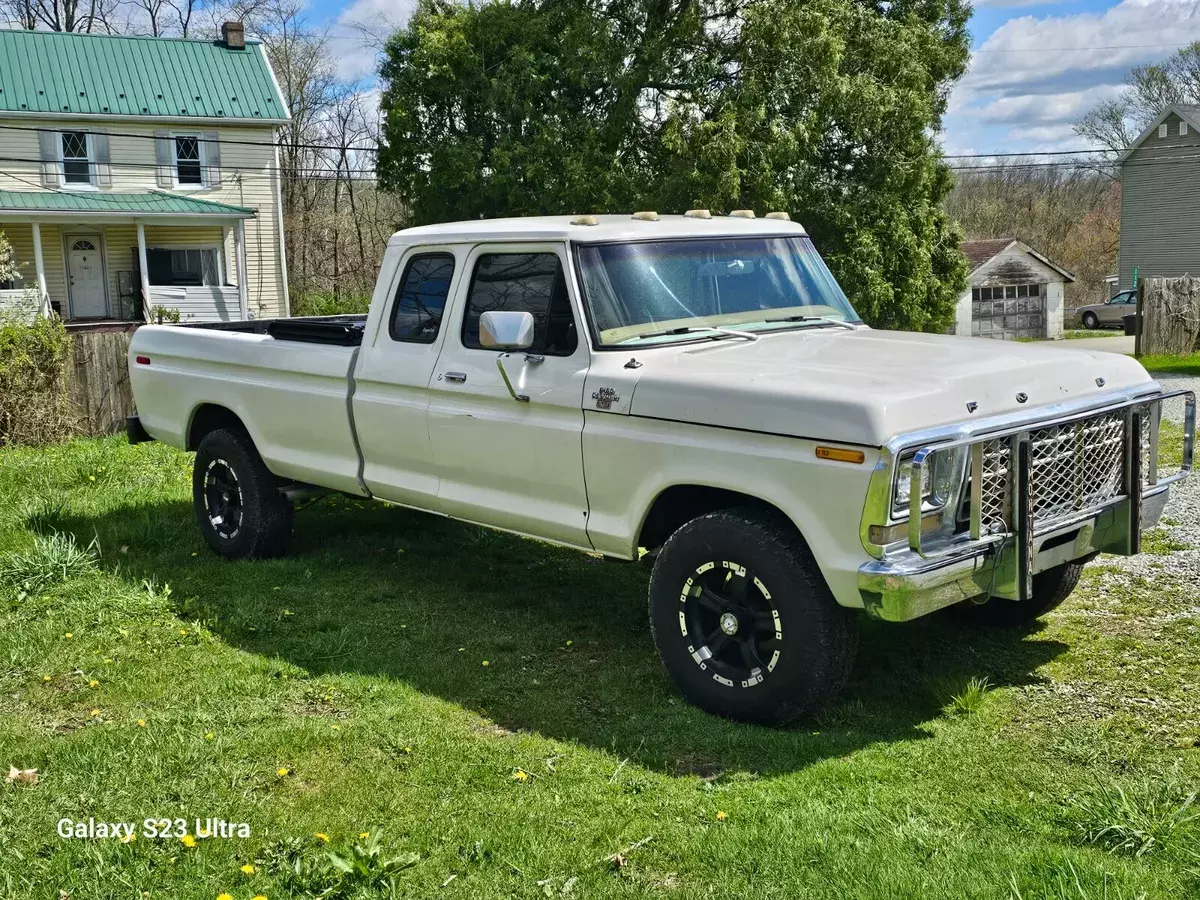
(401, 595)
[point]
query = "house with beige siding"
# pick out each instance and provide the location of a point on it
(140, 172)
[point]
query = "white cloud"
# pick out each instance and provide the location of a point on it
(1034, 76)
(358, 35)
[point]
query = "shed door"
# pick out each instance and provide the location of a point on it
(1009, 311)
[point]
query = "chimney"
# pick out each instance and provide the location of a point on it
(233, 35)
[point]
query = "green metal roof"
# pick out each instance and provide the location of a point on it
(64, 74)
(148, 204)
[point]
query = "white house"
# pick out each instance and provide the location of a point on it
(141, 172)
(1014, 292)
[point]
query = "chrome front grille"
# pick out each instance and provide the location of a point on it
(1074, 467)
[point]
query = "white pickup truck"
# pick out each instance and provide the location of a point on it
(696, 387)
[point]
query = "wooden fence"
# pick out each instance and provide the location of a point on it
(1171, 315)
(98, 379)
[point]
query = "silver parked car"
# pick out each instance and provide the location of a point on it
(1111, 312)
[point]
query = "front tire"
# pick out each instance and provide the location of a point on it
(1050, 589)
(238, 506)
(744, 621)
(1090, 322)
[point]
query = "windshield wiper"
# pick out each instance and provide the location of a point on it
(690, 329)
(826, 319)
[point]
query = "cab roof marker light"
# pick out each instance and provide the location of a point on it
(647, 215)
(780, 215)
(585, 220)
(698, 214)
(840, 455)
(742, 214)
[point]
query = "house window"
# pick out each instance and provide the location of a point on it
(191, 267)
(1162, 130)
(1183, 129)
(188, 168)
(77, 167)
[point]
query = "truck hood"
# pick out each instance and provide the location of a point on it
(862, 386)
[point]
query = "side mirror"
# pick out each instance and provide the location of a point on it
(506, 330)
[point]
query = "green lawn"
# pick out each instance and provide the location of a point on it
(491, 713)
(1171, 365)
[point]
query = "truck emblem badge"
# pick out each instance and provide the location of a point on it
(1022, 397)
(605, 398)
(972, 406)
(1099, 382)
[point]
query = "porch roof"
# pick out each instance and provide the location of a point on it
(91, 204)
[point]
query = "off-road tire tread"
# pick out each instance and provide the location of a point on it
(832, 627)
(1050, 589)
(267, 516)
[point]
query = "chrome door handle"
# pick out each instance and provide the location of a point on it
(456, 376)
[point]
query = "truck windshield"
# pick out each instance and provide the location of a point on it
(662, 291)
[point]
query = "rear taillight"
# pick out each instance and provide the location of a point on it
(142, 360)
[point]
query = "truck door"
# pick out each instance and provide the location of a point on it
(502, 462)
(391, 390)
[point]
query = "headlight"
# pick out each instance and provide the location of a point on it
(940, 478)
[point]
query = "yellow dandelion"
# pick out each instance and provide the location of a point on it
(129, 838)
(93, 683)
(282, 772)
(222, 896)
(569, 643)
(321, 836)
(248, 869)
(188, 841)
(210, 736)
(68, 635)
(183, 631)
(485, 662)
(520, 775)
(364, 835)
(193, 554)
(108, 661)
(95, 712)
(47, 678)
(141, 723)
(408, 749)
(721, 816)
(259, 897)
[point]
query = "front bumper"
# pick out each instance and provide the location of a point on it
(907, 588)
(936, 570)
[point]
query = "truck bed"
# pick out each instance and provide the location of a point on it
(342, 331)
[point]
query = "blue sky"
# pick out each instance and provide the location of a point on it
(1038, 66)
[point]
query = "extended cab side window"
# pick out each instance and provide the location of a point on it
(523, 282)
(421, 298)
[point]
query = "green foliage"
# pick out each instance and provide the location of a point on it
(822, 108)
(34, 408)
(1150, 816)
(970, 699)
(318, 303)
(52, 559)
(162, 314)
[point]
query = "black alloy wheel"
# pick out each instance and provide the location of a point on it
(732, 627)
(223, 499)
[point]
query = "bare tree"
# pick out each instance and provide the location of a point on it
(63, 15)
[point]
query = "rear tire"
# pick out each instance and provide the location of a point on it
(1050, 589)
(744, 621)
(1090, 322)
(238, 506)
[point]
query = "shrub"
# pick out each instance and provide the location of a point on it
(34, 407)
(317, 303)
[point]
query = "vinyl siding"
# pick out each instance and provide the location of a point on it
(247, 178)
(1160, 206)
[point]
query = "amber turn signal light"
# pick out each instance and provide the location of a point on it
(836, 453)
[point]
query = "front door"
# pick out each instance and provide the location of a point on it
(85, 269)
(513, 464)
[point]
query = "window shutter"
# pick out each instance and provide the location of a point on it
(164, 157)
(103, 162)
(211, 157)
(48, 142)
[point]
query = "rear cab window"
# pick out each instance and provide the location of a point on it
(421, 298)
